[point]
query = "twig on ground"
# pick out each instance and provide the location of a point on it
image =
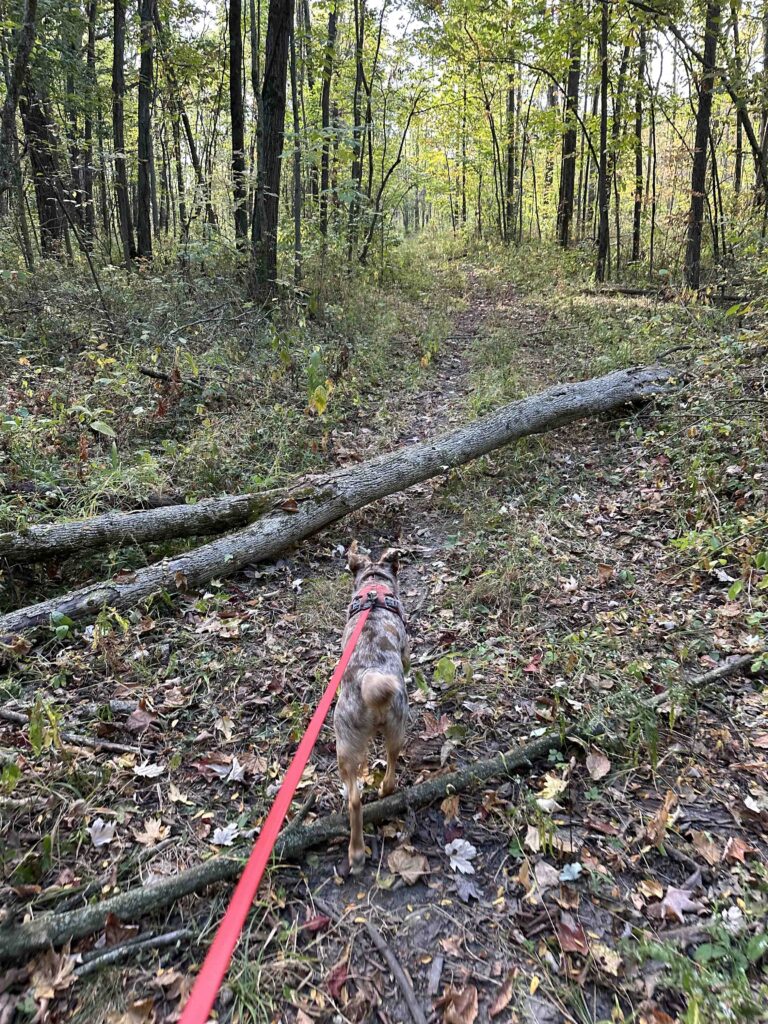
(97, 959)
(54, 929)
(699, 682)
(79, 739)
(403, 981)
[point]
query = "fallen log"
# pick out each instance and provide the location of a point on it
(54, 929)
(212, 515)
(330, 498)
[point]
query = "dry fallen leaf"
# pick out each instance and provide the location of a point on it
(607, 959)
(503, 999)
(571, 935)
(102, 832)
(52, 973)
(411, 866)
(761, 741)
(547, 877)
(154, 831)
(450, 808)
(736, 850)
(598, 765)
(533, 839)
(459, 1005)
(677, 902)
(656, 828)
(461, 853)
(149, 771)
(706, 848)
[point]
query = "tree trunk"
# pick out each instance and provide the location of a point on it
(212, 515)
(144, 195)
(511, 145)
(357, 129)
(89, 210)
(325, 118)
(43, 149)
(699, 165)
(637, 215)
(568, 164)
(296, 162)
(329, 499)
(125, 219)
(603, 190)
(14, 85)
(237, 114)
(273, 99)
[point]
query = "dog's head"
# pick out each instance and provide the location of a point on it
(365, 570)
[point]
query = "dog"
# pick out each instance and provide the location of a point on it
(373, 699)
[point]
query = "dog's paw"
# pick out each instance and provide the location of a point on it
(356, 864)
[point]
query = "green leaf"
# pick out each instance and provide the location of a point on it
(710, 951)
(757, 947)
(445, 671)
(103, 428)
(735, 589)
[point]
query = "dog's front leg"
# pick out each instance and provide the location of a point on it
(348, 771)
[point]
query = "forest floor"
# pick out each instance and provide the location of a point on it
(587, 576)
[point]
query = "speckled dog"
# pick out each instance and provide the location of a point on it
(373, 699)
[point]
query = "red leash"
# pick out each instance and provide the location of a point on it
(206, 987)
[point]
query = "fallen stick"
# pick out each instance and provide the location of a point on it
(77, 738)
(404, 983)
(330, 499)
(105, 958)
(54, 929)
(729, 668)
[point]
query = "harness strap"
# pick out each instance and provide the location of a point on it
(377, 595)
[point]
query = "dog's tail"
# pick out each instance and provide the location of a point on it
(378, 689)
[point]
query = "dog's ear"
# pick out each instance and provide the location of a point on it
(391, 557)
(356, 561)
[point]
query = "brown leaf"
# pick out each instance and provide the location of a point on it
(316, 924)
(52, 973)
(503, 999)
(116, 931)
(450, 808)
(604, 573)
(706, 848)
(571, 935)
(459, 1005)
(677, 902)
(736, 850)
(546, 875)
(140, 720)
(411, 866)
(607, 959)
(656, 828)
(761, 741)
(154, 831)
(598, 765)
(336, 979)
(434, 726)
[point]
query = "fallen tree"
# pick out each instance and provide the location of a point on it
(55, 540)
(330, 498)
(55, 929)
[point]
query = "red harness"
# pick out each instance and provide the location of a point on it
(375, 595)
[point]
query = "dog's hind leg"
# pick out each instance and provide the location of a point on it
(394, 740)
(348, 770)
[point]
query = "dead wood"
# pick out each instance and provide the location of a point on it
(55, 929)
(328, 500)
(168, 521)
(76, 738)
(403, 981)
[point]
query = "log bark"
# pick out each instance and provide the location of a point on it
(329, 499)
(55, 929)
(213, 515)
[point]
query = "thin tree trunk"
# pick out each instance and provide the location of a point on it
(699, 164)
(125, 219)
(296, 162)
(511, 142)
(43, 147)
(237, 115)
(325, 117)
(14, 84)
(273, 94)
(464, 152)
(637, 217)
(89, 207)
(146, 74)
(568, 164)
(603, 191)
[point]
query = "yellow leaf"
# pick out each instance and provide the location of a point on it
(535, 982)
